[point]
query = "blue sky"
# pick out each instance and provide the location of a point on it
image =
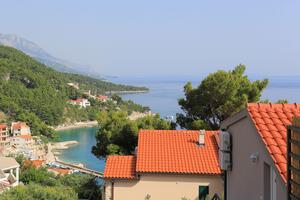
(163, 38)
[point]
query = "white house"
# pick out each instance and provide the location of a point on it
(82, 103)
(9, 173)
(20, 128)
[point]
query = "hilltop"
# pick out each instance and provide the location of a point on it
(35, 51)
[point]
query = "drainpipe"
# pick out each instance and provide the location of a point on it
(225, 185)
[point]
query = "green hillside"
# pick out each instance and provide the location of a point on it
(37, 94)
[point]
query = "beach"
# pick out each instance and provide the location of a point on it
(75, 125)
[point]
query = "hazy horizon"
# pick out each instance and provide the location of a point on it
(163, 39)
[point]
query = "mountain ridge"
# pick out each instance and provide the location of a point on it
(35, 51)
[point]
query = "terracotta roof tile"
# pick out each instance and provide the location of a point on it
(177, 151)
(271, 121)
(120, 167)
(2, 126)
(26, 137)
(19, 125)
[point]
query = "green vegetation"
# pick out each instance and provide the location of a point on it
(36, 94)
(118, 134)
(41, 184)
(99, 86)
(219, 95)
(38, 192)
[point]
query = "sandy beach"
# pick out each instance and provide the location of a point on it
(75, 125)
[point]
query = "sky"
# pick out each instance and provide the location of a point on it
(162, 38)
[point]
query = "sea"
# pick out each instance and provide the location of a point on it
(162, 99)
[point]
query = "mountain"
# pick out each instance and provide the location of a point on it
(33, 50)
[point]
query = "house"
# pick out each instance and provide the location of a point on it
(22, 141)
(168, 164)
(102, 98)
(74, 85)
(258, 137)
(9, 173)
(59, 171)
(34, 163)
(4, 136)
(20, 128)
(82, 103)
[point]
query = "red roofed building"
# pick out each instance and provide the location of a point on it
(22, 142)
(4, 136)
(169, 164)
(82, 103)
(20, 128)
(102, 98)
(259, 151)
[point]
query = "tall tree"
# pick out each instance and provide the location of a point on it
(218, 96)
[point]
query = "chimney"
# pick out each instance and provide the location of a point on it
(201, 140)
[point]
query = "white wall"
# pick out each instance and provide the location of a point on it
(246, 180)
(164, 186)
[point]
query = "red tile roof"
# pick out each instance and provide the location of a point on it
(34, 163)
(120, 167)
(2, 126)
(26, 137)
(102, 98)
(271, 121)
(19, 125)
(37, 163)
(60, 171)
(177, 151)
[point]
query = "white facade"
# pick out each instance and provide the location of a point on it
(20, 128)
(9, 173)
(82, 103)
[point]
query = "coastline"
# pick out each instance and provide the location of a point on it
(75, 125)
(53, 148)
(128, 92)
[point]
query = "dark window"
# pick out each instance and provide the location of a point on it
(203, 192)
(267, 182)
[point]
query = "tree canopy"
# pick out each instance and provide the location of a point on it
(118, 134)
(218, 96)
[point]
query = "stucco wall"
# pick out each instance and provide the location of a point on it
(163, 187)
(246, 180)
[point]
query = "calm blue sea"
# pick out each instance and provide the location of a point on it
(162, 99)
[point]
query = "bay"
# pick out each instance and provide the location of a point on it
(81, 153)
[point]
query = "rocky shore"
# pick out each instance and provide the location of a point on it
(51, 153)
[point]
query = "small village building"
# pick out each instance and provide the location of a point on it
(82, 103)
(74, 85)
(34, 163)
(258, 151)
(25, 145)
(168, 164)
(102, 98)
(9, 173)
(59, 171)
(20, 128)
(4, 136)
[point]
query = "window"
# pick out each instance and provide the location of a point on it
(203, 192)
